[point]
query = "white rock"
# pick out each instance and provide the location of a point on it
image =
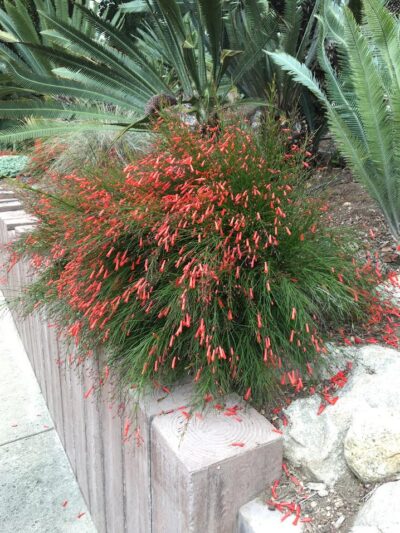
(391, 290)
(337, 359)
(315, 443)
(372, 445)
(255, 517)
(339, 521)
(365, 529)
(381, 512)
(316, 486)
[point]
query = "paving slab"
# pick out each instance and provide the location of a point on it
(23, 411)
(10, 205)
(36, 478)
(35, 481)
(4, 194)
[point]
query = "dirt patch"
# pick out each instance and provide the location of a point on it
(350, 206)
(336, 511)
(318, 508)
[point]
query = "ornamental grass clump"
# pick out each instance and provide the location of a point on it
(204, 258)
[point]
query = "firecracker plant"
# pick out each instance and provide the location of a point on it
(205, 257)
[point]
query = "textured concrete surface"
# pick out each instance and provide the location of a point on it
(38, 491)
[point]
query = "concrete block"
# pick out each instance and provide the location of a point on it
(10, 205)
(81, 450)
(255, 517)
(5, 194)
(11, 219)
(54, 380)
(94, 442)
(66, 394)
(113, 460)
(204, 468)
(20, 230)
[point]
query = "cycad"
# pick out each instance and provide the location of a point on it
(108, 76)
(88, 82)
(192, 51)
(22, 22)
(362, 99)
(261, 25)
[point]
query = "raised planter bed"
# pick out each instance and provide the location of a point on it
(178, 475)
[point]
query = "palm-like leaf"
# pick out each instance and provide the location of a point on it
(258, 29)
(178, 51)
(43, 128)
(362, 100)
(193, 50)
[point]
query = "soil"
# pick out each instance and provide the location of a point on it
(350, 206)
(336, 511)
(330, 510)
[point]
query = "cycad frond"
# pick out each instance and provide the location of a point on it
(53, 86)
(49, 109)
(300, 72)
(384, 29)
(211, 13)
(43, 129)
(362, 101)
(371, 99)
(339, 93)
(89, 47)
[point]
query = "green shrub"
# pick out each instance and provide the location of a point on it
(12, 166)
(202, 258)
(362, 99)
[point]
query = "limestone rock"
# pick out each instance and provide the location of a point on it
(315, 443)
(391, 290)
(381, 512)
(372, 445)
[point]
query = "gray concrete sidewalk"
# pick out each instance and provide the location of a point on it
(38, 490)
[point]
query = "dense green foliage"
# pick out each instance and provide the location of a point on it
(203, 258)
(362, 100)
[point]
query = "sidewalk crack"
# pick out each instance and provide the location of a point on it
(26, 436)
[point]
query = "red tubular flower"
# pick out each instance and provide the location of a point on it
(188, 262)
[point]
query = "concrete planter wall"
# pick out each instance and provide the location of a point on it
(183, 477)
